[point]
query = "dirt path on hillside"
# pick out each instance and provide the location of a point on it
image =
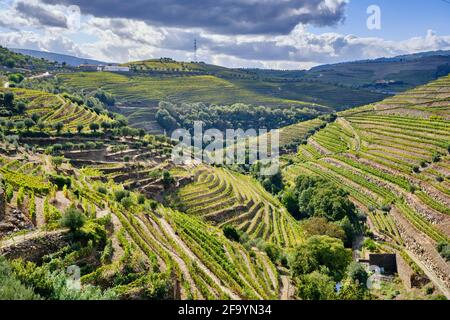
(40, 219)
(287, 288)
(168, 228)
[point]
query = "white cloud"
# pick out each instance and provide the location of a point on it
(121, 40)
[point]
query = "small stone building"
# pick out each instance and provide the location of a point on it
(386, 262)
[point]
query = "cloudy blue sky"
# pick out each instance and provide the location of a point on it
(283, 34)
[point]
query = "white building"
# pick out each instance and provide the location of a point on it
(113, 69)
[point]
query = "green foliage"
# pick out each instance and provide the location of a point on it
(9, 192)
(316, 286)
(60, 181)
(51, 214)
(444, 250)
(90, 231)
(273, 252)
(121, 194)
(319, 226)
(352, 290)
(32, 207)
(272, 183)
(127, 202)
(167, 178)
(10, 287)
(321, 253)
(53, 285)
(57, 161)
(20, 197)
(231, 233)
(73, 219)
(16, 78)
(94, 127)
(357, 273)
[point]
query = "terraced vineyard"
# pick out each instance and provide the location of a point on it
(393, 159)
(202, 262)
(226, 198)
(52, 109)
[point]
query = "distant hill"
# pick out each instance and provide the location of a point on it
(13, 61)
(387, 75)
(56, 57)
(384, 75)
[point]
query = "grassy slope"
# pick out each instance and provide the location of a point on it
(139, 95)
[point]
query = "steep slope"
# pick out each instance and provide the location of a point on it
(199, 260)
(52, 109)
(226, 198)
(393, 159)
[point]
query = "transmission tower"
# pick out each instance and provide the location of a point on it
(195, 50)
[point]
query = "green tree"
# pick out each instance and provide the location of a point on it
(105, 125)
(29, 123)
(80, 128)
(319, 226)
(320, 253)
(57, 161)
(58, 127)
(41, 125)
(94, 127)
(10, 63)
(20, 125)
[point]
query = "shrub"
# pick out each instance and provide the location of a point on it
(167, 178)
(127, 202)
(444, 250)
(273, 252)
(316, 286)
(231, 233)
(120, 194)
(11, 288)
(141, 199)
(436, 157)
(73, 219)
(102, 190)
(357, 273)
(319, 253)
(60, 181)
